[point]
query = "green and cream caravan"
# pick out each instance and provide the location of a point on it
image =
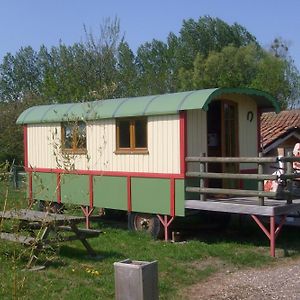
(130, 154)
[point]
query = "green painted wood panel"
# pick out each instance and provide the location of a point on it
(179, 197)
(248, 184)
(44, 186)
(75, 189)
(150, 195)
(110, 192)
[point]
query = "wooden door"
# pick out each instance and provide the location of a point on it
(230, 140)
(222, 133)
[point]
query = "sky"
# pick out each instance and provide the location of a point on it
(37, 22)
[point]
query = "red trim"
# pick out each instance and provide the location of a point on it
(129, 200)
(107, 173)
(58, 188)
(25, 146)
(91, 188)
(172, 197)
(183, 144)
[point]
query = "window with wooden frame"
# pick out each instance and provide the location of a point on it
(74, 137)
(131, 136)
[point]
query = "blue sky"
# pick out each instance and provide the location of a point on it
(37, 22)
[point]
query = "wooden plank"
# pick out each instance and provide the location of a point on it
(233, 176)
(85, 231)
(38, 216)
(14, 237)
(290, 159)
(271, 208)
(232, 159)
(235, 192)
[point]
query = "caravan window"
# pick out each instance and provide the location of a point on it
(74, 137)
(132, 135)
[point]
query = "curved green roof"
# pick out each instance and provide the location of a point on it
(138, 106)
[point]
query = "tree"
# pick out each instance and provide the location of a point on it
(270, 77)
(247, 66)
(209, 34)
(231, 67)
(102, 59)
(19, 75)
(163, 65)
(127, 72)
(280, 49)
(11, 134)
(153, 63)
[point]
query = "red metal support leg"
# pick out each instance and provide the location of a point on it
(273, 233)
(166, 223)
(87, 211)
(272, 236)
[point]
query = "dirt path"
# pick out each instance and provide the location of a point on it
(276, 282)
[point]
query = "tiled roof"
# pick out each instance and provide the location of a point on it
(275, 125)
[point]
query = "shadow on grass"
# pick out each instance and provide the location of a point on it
(243, 230)
(240, 230)
(82, 255)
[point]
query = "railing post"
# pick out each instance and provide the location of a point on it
(289, 181)
(202, 180)
(260, 182)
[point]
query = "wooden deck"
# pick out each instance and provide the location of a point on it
(245, 205)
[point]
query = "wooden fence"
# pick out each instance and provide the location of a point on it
(287, 177)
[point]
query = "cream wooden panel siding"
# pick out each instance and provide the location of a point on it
(163, 145)
(42, 141)
(248, 143)
(248, 132)
(44, 149)
(196, 135)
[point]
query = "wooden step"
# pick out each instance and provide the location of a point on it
(87, 232)
(15, 237)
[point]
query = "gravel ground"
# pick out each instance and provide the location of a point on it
(275, 282)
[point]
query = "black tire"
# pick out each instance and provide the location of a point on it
(145, 222)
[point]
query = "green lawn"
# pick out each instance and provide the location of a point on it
(70, 274)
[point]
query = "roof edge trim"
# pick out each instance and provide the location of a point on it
(247, 91)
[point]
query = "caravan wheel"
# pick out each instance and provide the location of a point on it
(145, 222)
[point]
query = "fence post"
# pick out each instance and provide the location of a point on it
(289, 181)
(202, 180)
(260, 182)
(15, 177)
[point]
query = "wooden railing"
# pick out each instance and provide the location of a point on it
(288, 176)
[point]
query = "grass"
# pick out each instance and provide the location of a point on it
(72, 275)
